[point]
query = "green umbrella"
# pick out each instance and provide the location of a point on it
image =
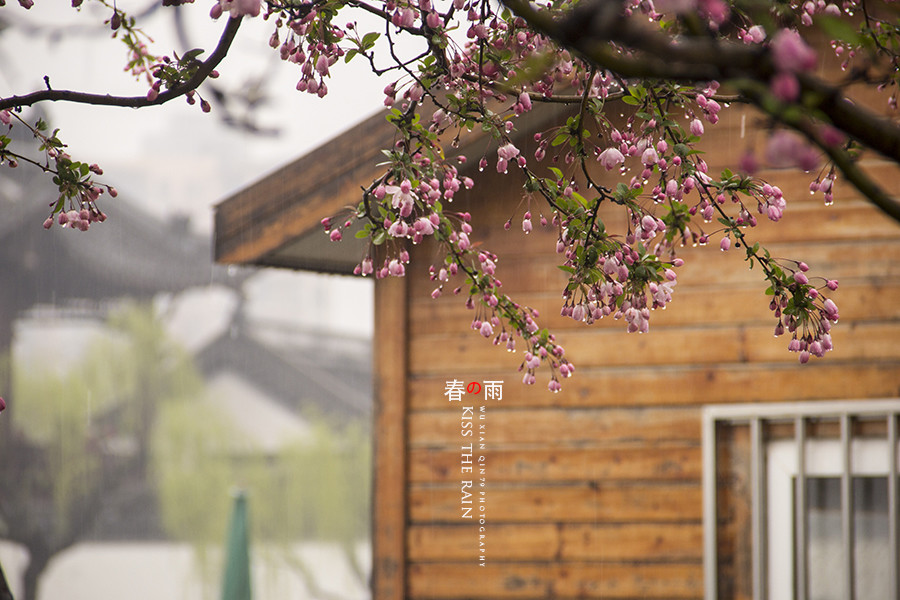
(236, 582)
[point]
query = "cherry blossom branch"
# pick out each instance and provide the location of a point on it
(204, 69)
(590, 27)
(855, 175)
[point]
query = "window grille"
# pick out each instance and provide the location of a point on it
(800, 500)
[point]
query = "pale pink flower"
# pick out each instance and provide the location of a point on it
(424, 226)
(396, 268)
(578, 312)
(611, 158)
(791, 53)
(505, 154)
(786, 149)
(748, 163)
(649, 157)
(831, 136)
(525, 101)
(831, 309)
(696, 127)
(241, 8)
(757, 34)
(322, 65)
(785, 87)
(402, 197)
(716, 11)
(671, 187)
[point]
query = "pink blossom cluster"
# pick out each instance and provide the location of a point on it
(236, 8)
(484, 81)
(77, 219)
(493, 312)
(83, 211)
(625, 281)
(785, 149)
(409, 214)
(790, 55)
(715, 12)
(811, 8)
(317, 57)
(804, 311)
(824, 185)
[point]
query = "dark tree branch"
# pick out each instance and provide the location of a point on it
(203, 71)
(879, 134)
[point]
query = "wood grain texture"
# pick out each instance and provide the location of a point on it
(536, 465)
(685, 385)
(559, 542)
(555, 580)
(389, 497)
(595, 491)
(593, 501)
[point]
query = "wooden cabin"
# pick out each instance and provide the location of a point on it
(699, 460)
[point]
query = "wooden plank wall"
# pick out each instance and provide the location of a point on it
(596, 491)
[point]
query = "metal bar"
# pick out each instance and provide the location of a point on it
(710, 495)
(894, 549)
(801, 564)
(789, 410)
(758, 510)
(847, 508)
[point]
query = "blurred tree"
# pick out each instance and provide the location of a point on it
(316, 488)
(76, 450)
(127, 420)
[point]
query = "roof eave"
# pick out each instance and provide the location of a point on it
(277, 220)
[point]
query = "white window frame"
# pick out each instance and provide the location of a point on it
(776, 466)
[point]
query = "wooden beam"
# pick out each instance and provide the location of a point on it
(446, 581)
(284, 205)
(390, 437)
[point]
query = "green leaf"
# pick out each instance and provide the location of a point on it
(191, 55)
(559, 139)
(369, 39)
